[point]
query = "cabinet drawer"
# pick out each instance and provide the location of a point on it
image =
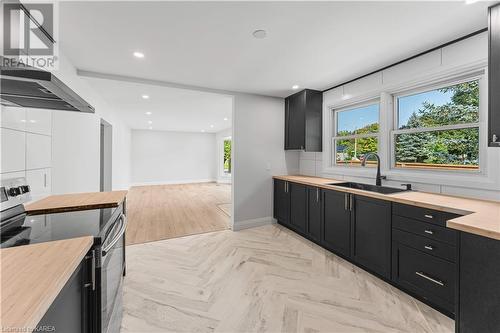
(429, 277)
(422, 214)
(432, 247)
(427, 230)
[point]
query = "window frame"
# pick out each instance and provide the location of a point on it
(335, 136)
(394, 129)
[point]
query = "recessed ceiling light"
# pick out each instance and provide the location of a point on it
(202, 131)
(225, 118)
(260, 34)
(150, 127)
(138, 54)
(211, 126)
(149, 113)
(295, 87)
(32, 121)
(23, 120)
(145, 96)
(150, 121)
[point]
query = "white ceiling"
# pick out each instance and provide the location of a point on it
(172, 109)
(210, 44)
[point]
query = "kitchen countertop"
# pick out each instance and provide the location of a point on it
(33, 276)
(76, 201)
(481, 217)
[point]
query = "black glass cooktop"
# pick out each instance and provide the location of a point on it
(30, 229)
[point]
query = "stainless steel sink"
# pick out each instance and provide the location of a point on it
(371, 188)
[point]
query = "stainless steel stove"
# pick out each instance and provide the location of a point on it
(108, 225)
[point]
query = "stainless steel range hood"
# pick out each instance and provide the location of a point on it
(34, 88)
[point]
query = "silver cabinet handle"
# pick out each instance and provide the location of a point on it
(427, 277)
(317, 194)
(45, 180)
(430, 232)
(428, 247)
(345, 202)
(429, 216)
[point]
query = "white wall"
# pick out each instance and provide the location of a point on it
(258, 154)
(26, 136)
(165, 157)
(75, 144)
(466, 56)
(219, 148)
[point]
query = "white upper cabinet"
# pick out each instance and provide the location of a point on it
(13, 117)
(38, 151)
(13, 156)
(39, 121)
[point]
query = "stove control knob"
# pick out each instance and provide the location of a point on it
(14, 191)
(24, 188)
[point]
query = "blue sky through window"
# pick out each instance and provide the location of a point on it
(354, 119)
(407, 105)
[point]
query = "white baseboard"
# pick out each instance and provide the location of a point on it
(173, 182)
(224, 181)
(246, 224)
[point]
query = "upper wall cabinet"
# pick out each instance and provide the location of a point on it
(303, 121)
(494, 77)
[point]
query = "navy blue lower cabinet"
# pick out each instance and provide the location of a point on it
(298, 207)
(281, 202)
(72, 310)
(336, 225)
(314, 214)
(371, 234)
(479, 287)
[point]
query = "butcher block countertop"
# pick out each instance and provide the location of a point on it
(32, 277)
(76, 201)
(481, 217)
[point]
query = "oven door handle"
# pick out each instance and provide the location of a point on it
(123, 220)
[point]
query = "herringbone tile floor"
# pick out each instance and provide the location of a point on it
(264, 279)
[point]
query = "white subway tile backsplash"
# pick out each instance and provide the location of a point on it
(468, 192)
(306, 155)
(307, 167)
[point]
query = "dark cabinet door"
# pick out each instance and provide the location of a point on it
(281, 201)
(296, 118)
(336, 233)
(298, 206)
(494, 76)
(71, 310)
(314, 214)
(371, 242)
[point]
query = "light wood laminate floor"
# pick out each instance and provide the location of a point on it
(265, 279)
(166, 211)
